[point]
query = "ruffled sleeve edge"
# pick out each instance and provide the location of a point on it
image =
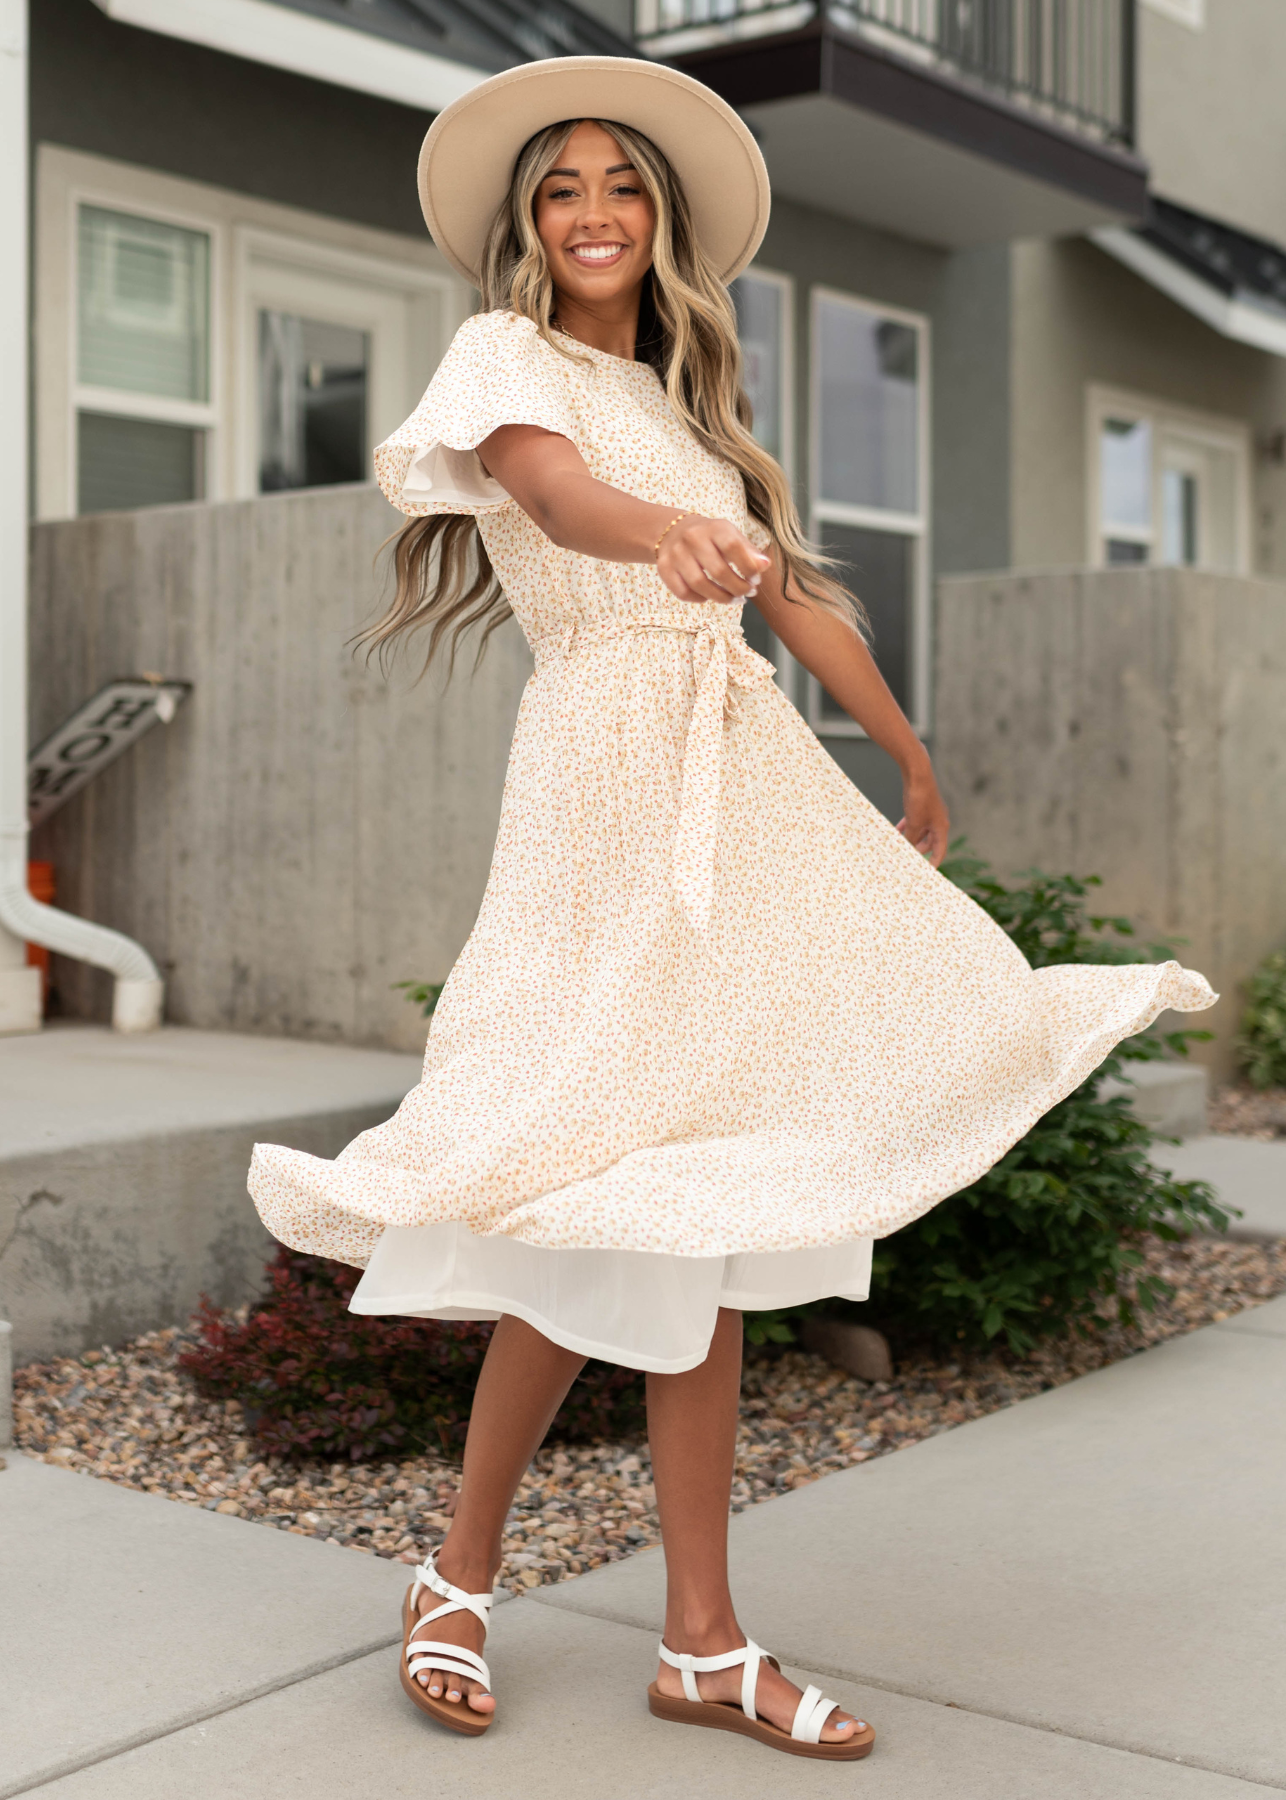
(430, 464)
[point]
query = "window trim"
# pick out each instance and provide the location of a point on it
(1215, 431)
(781, 658)
(202, 415)
(785, 285)
(916, 525)
(67, 178)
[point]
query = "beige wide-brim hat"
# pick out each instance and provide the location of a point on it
(468, 156)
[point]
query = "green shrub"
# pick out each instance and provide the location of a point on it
(1051, 1232)
(1261, 1044)
(318, 1380)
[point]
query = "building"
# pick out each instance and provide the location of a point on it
(1022, 303)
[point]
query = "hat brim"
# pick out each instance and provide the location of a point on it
(468, 156)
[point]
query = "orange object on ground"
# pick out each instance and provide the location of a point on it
(42, 886)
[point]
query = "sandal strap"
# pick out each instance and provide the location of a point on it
(451, 1659)
(811, 1715)
(426, 1575)
(690, 1667)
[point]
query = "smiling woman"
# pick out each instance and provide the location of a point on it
(719, 1024)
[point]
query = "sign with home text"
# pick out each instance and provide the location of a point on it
(95, 735)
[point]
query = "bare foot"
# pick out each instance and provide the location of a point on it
(461, 1628)
(776, 1699)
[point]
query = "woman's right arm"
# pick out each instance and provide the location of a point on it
(699, 558)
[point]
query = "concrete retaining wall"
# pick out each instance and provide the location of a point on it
(1130, 724)
(305, 833)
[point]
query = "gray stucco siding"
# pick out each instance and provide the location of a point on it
(113, 90)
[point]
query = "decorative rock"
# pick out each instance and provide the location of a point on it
(131, 1416)
(858, 1349)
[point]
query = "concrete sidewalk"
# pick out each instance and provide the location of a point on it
(1081, 1598)
(1243, 1172)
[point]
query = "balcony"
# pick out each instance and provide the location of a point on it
(956, 122)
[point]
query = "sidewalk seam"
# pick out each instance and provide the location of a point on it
(833, 1673)
(74, 1765)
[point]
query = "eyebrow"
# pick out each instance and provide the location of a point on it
(616, 169)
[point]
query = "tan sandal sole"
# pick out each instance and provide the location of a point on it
(723, 1715)
(456, 1715)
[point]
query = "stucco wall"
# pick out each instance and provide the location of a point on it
(1211, 119)
(305, 833)
(1128, 724)
(1080, 318)
(966, 300)
(108, 88)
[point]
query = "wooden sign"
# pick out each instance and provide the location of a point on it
(95, 735)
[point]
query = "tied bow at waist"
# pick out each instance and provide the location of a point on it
(720, 659)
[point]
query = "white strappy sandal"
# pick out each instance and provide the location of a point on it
(420, 1654)
(804, 1736)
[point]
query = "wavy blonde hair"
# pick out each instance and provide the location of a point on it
(445, 583)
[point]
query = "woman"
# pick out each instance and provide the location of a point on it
(719, 1024)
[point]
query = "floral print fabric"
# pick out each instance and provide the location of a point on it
(713, 1003)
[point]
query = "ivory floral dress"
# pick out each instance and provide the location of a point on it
(719, 1024)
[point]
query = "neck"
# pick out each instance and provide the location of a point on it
(611, 326)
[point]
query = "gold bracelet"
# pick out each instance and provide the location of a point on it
(656, 548)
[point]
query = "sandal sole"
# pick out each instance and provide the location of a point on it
(450, 1713)
(722, 1715)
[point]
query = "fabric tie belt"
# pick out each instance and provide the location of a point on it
(720, 659)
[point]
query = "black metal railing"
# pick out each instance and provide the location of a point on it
(1070, 60)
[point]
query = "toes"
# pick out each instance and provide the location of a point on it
(840, 1727)
(481, 1701)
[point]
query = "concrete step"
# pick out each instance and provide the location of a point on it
(1171, 1097)
(123, 1168)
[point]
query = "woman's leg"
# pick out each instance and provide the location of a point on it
(523, 1382)
(692, 1425)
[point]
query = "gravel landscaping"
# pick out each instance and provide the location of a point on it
(1249, 1112)
(130, 1416)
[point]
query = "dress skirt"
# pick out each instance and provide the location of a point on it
(718, 1024)
(636, 1308)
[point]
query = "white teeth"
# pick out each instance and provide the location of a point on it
(596, 252)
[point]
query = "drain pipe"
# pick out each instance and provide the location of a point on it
(139, 991)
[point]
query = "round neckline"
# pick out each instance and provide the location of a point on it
(625, 362)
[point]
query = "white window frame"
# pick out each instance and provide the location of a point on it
(785, 285)
(781, 657)
(122, 403)
(236, 225)
(911, 525)
(1209, 430)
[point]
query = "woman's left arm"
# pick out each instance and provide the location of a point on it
(832, 651)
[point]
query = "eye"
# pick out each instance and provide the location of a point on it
(561, 193)
(627, 188)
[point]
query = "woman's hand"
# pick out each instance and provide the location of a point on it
(924, 823)
(709, 559)
(697, 559)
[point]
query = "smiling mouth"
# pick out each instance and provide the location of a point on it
(597, 253)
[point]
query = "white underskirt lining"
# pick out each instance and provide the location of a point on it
(643, 1311)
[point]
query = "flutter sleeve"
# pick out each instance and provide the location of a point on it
(498, 371)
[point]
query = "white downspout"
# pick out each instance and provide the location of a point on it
(136, 1003)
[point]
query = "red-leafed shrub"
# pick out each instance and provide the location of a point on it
(317, 1380)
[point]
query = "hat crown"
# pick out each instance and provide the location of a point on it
(468, 156)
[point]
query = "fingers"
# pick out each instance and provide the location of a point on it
(705, 559)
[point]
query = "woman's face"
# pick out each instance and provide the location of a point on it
(595, 220)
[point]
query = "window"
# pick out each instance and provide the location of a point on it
(1167, 487)
(870, 481)
(192, 343)
(765, 326)
(142, 378)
